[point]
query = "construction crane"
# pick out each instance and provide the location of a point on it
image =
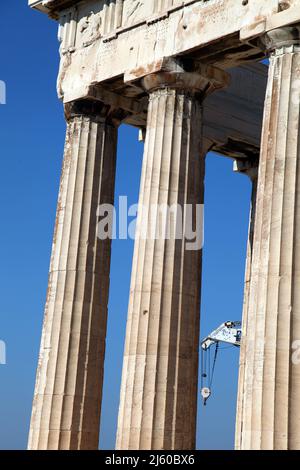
(229, 332)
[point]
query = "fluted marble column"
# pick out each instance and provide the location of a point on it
(67, 399)
(270, 412)
(250, 169)
(158, 404)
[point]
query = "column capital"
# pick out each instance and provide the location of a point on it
(288, 36)
(204, 79)
(95, 110)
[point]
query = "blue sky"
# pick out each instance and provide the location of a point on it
(32, 133)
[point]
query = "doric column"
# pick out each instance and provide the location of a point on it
(250, 169)
(158, 404)
(67, 399)
(269, 411)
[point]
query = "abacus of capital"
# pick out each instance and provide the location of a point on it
(189, 74)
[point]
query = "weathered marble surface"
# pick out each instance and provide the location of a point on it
(68, 392)
(186, 26)
(158, 403)
(268, 414)
(107, 48)
(134, 51)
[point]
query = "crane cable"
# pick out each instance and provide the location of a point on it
(207, 370)
(203, 366)
(214, 365)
